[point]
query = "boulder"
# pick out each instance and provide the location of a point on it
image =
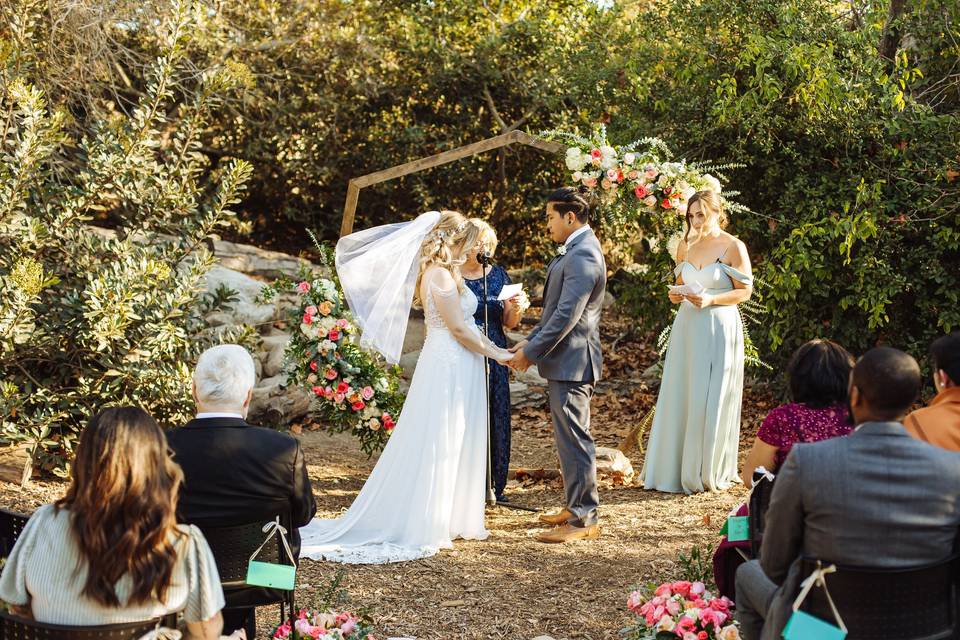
(272, 353)
(244, 310)
(614, 466)
(408, 362)
(531, 377)
(259, 262)
(524, 395)
(275, 404)
(608, 300)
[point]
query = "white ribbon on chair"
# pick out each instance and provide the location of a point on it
(271, 528)
(817, 578)
(766, 474)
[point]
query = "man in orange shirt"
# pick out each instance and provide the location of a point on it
(939, 423)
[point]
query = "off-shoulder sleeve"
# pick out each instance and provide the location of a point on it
(205, 595)
(13, 580)
(678, 269)
(737, 275)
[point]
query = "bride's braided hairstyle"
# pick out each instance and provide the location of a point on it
(446, 246)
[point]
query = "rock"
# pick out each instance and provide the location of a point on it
(651, 375)
(515, 337)
(416, 332)
(244, 310)
(273, 352)
(408, 362)
(613, 465)
(259, 262)
(219, 319)
(531, 377)
(523, 395)
(608, 300)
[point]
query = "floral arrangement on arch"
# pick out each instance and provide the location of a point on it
(354, 388)
(639, 177)
(681, 611)
(324, 625)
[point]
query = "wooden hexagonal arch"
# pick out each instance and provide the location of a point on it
(496, 142)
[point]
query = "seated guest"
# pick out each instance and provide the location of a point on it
(818, 373)
(939, 423)
(876, 498)
(235, 473)
(111, 551)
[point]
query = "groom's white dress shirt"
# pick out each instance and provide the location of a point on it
(576, 234)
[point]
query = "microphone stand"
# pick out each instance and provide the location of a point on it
(484, 259)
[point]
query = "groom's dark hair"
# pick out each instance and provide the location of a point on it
(571, 200)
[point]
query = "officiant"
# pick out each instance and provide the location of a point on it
(500, 315)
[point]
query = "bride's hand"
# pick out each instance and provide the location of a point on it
(504, 356)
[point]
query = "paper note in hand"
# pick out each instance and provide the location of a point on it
(510, 290)
(692, 289)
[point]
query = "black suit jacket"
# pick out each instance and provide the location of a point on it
(235, 473)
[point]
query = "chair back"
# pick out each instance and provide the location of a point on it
(759, 502)
(233, 545)
(16, 628)
(918, 603)
(11, 526)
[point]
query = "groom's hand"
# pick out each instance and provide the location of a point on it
(520, 360)
(518, 346)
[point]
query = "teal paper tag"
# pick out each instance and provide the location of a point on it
(277, 576)
(738, 528)
(803, 626)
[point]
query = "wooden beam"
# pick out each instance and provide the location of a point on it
(436, 160)
(350, 208)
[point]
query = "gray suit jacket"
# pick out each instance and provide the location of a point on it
(565, 344)
(876, 498)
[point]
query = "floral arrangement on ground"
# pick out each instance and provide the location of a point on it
(680, 610)
(324, 625)
(355, 389)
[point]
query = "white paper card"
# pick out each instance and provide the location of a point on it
(510, 290)
(692, 289)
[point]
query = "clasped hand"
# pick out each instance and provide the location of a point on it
(520, 361)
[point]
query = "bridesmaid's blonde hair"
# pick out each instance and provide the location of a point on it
(445, 246)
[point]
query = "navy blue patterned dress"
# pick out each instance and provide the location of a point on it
(499, 375)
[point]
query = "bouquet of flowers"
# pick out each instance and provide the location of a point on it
(354, 388)
(325, 625)
(638, 177)
(681, 610)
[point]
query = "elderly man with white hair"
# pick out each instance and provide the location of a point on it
(235, 473)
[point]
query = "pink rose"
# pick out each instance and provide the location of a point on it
(342, 323)
(348, 627)
(312, 310)
(367, 393)
(333, 335)
(304, 287)
(317, 391)
(663, 590)
(666, 204)
(640, 191)
(634, 601)
(633, 175)
(358, 405)
(612, 175)
(596, 154)
(307, 318)
(686, 624)
(699, 603)
(650, 172)
(330, 374)
(343, 388)
(720, 604)
(682, 587)
(606, 184)
(590, 183)
(338, 397)
(650, 201)
(673, 607)
(698, 588)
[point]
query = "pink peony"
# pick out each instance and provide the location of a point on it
(698, 588)
(633, 175)
(313, 365)
(303, 287)
(686, 624)
(673, 607)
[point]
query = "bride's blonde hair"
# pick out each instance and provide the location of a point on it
(445, 246)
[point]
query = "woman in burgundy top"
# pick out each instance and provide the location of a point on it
(819, 374)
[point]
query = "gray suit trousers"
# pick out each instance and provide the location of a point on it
(570, 409)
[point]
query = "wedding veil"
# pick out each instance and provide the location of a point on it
(378, 272)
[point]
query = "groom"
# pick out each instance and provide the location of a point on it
(565, 346)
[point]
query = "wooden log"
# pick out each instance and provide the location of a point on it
(16, 464)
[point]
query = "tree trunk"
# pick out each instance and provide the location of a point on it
(890, 41)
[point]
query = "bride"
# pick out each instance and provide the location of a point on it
(428, 487)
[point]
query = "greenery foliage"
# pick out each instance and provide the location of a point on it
(90, 318)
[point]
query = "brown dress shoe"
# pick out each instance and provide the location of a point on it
(569, 533)
(557, 518)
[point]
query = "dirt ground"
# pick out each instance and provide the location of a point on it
(510, 586)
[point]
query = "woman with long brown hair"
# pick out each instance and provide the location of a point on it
(696, 427)
(110, 550)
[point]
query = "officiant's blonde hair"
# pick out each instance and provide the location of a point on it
(445, 246)
(487, 237)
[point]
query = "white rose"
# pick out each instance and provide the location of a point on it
(328, 322)
(628, 158)
(577, 176)
(650, 201)
(666, 623)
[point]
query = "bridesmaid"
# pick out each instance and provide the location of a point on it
(696, 428)
(501, 315)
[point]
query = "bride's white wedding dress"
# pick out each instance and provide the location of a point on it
(427, 488)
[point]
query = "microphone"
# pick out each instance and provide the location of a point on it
(484, 257)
